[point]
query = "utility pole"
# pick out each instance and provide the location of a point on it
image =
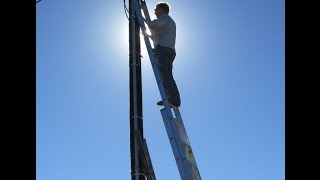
(136, 123)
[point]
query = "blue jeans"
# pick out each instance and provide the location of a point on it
(164, 58)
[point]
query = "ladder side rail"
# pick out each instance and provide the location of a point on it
(151, 175)
(145, 10)
(145, 156)
(185, 139)
(174, 146)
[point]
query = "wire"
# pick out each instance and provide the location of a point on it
(38, 1)
(125, 9)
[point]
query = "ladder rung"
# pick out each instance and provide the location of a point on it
(180, 159)
(187, 145)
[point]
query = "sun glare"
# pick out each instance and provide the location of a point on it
(148, 32)
(145, 61)
(120, 36)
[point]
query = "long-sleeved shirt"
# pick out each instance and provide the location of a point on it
(163, 31)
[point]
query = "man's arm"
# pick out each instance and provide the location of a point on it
(157, 23)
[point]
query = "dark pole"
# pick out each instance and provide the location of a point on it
(137, 171)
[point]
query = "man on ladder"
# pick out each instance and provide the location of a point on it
(163, 34)
(161, 57)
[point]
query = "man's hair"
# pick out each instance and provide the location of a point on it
(165, 6)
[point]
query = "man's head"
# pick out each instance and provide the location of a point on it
(162, 8)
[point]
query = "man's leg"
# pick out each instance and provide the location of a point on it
(173, 91)
(164, 59)
(162, 63)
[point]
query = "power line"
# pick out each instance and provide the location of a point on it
(125, 8)
(38, 1)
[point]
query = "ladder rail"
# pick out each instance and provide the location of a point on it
(145, 156)
(145, 10)
(185, 140)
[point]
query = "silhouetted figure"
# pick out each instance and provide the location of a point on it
(163, 34)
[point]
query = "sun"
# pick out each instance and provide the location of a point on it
(118, 41)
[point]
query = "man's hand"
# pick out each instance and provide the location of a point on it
(147, 21)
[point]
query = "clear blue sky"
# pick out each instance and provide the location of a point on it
(229, 69)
